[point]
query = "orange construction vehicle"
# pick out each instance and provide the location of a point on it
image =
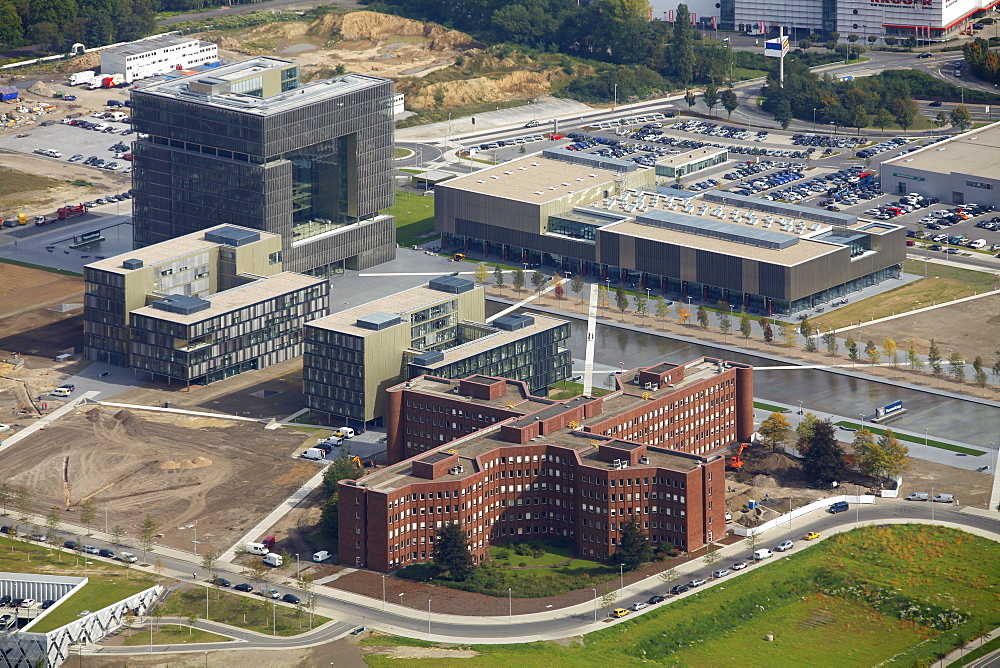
(736, 462)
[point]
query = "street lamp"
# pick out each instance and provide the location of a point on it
(428, 616)
(510, 606)
(298, 567)
(401, 597)
(621, 573)
(814, 115)
(800, 407)
(383, 592)
(925, 438)
(595, 605)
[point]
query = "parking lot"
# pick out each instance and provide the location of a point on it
(71, 140)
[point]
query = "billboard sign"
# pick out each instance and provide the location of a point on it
(86, 238)
(889, 409)
(777, 47)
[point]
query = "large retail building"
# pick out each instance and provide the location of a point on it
(157, 55)
(509, 466)
(249, 144)
(607, 219)
(964, 169)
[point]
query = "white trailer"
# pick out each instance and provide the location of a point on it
(78, 78)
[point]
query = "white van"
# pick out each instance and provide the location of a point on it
(760, 555)
(322, 555)
(273, 559)
(335, 441)
(60, 392)
(127, 557)
(256, 548)
(344, 432)
(314, 453)
(118, 116)
(978, 243)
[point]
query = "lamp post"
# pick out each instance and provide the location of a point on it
(932, 504)
(800, 407)
(814, 116)
(428, 616)
(595, 605)
(621, 573)
(383, 592)
(298, 567)
(510, 606)
(195, 541)
(401, 597)
(925, 438)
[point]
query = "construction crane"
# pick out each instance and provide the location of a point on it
(736, 462)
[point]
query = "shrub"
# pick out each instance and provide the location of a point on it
(502, 554)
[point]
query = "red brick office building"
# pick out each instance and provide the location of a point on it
(510, 466)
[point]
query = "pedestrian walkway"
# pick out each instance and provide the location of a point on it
(588, 364)
(525, 301)
(46, 420)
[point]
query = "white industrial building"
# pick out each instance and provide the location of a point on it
(923, 19)
(157, 55)
(964, 169)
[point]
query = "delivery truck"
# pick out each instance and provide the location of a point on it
(78, 78)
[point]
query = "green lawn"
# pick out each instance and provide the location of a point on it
(172, 634)
(414, 218)
(13, 181)
(568, 389)
(64, 272)
(768, 407)
(840, 603)
(878, 431)
(248, 612)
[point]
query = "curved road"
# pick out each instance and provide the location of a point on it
(414, 622)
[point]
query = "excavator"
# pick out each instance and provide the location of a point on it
(736, 461)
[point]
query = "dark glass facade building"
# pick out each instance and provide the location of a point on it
(248, 144)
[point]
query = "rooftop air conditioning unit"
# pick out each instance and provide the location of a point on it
(655, 387)
(455, 390)
(644, 459)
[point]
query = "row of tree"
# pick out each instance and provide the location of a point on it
(983, 62)
(824, 460)
(56, 24)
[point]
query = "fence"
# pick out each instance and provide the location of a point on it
(741, 530)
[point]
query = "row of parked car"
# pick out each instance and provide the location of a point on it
(100, 127)
(882, 147)
(266, 592)
(825, 141)
(8, 601)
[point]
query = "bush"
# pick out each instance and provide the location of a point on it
(538, 553)
(419, 572)
(523, 564)
(502, 554)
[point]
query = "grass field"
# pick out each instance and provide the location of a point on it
(172, 634)
(859, 598)
(64, 272)
(12, 181)
(878, 431)
(414, 218)
(769, 407)
(233, 609)
(942, 285)
(568, 390)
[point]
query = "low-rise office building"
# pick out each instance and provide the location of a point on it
(681, 165)
(508, 465)
(964, 169)
(607, 219)
(353, 356)
(199, 308)
(157, 55)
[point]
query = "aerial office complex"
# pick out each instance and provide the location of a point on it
(606, 218)
(199, 308)
(157, 55)
(964, 169)
(352, 356)
(248, 144)
(507, 465)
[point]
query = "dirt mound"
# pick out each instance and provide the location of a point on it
(481, 90)
(94, 415)
(196, 463)
(39, 88)
(776, 462)
(378, 27)
(764, 481)
(134, 426)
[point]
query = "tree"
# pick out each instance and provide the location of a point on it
(537, 280)
(117, 533)
(775, 430)
(668, 575)
(482, 273)
(702, 315)
(209, 561)
(518, 279)
(934, 359)
(451, 551)
(88, 511)
(559, 292)
(941, 119)
(914, 359)
(872, 352)
(858, 118)
(683, 51)
(576, 283)
(852, 348)
(745, 325)
(498, 277)
(768, 332)
(6, 496)
(890, 352)
(602, 297)
(807, 426)
(783, 113)
(147, 530)
(753, 540)
(690, 99)
(805, 327)
(608, 599)
(883, 459)
(956, 366)
(22, 503)
(158, 567)
(890, 41)
(621, 299)
(712, 557)
(961, 118)
(725, 323)
(710, 96)
(830, 341)
(729, 101)
(905, 110)
(823, 459)
(683, 314)
(633, 548)
(882, 119)
(662, 308)
(979, 373)
(52, 523)
(788, 334)
(11, 29)
(641, 307)
(895, 455)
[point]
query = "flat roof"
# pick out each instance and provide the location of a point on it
(167, 250)
(976, 153)
(690, 155)
(308, 93)
(406, 301)
(780, 208)
(536, 180)
(718, 229)
(238, 297)
(500, 337)
(805, 250)
(151, 44)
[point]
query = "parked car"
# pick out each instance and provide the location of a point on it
(47, 603)
(90, 549)
(839, 507)
(943, 498)
(639, 606)
(619, 612)
(291, 598)
(679, 589)
(739, 565)
(696, 582)
(653, 600)
(918, 496)
(812, 535)
(70, 545)
(269, 593)
(105, 552)
(721, 573)
(221, 582)
(243, 587)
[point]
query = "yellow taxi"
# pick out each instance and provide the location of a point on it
(812, 535)
(619, 612)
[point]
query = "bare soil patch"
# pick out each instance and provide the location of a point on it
(221, 478)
